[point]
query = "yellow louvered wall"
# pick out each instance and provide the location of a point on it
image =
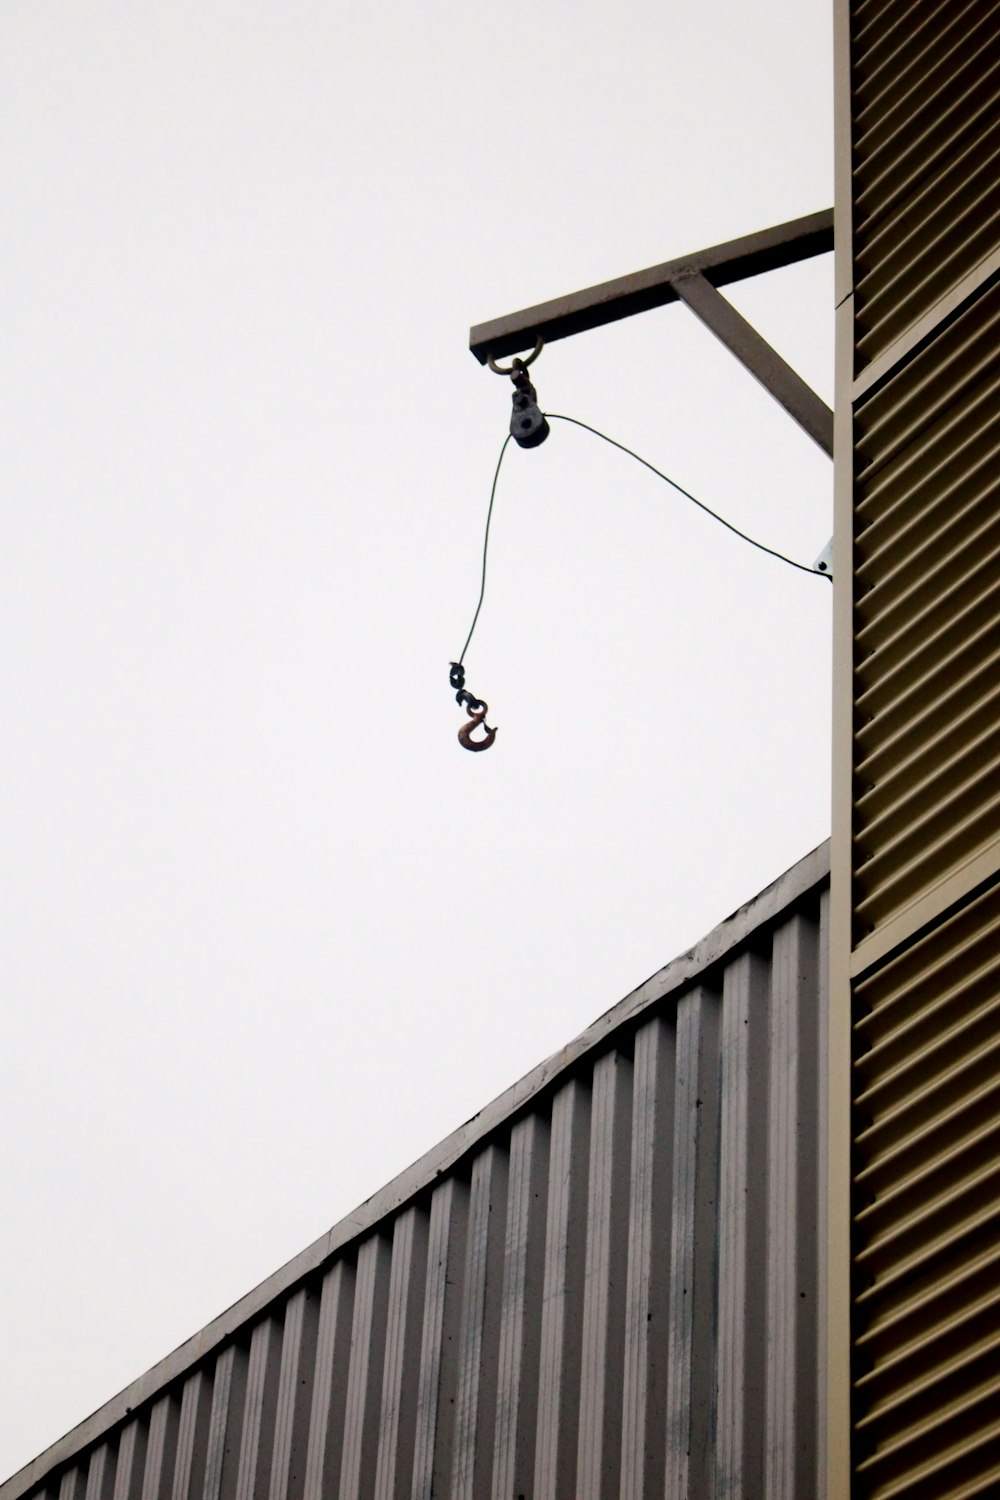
(917, 830)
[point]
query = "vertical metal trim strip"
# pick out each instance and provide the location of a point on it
(821, 1188)
(296, 1376)
(101, 1473)
(693, 1248)
(225, 1427)
(742, 1333)
(324, 1451)
(364, 1382)
(843, 181)
(789, 1454)
(192, 1437)
(73, 1485)
(521, 1308)
(647, 1298)
(605, 1279)
(559, 1355)
(439, 1338)
(475, 1405)
(837, 1440)
(161, 1450)
(258, 1420)
(131, 1461)
(397, 1426)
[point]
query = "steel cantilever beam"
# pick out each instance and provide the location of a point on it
(694, 280)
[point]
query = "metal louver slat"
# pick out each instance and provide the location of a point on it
(952, 677)
(887, 805)
(884, 38)
(950, 104)
(935, 1354)
(932, 1392)
(922, 49)
(941, 559)
(920, 1460)
(914, 1332)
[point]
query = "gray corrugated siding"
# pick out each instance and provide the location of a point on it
(606, 1284)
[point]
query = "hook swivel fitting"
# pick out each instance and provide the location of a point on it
(477, 708)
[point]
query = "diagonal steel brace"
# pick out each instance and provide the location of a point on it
(755, 353)
(693, 279)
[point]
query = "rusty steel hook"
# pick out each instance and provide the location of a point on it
(465, 733)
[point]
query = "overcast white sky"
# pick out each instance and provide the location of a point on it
(268, 932)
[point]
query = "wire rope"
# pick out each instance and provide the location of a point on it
(575, 421)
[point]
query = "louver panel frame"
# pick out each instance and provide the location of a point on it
(927, 619)
(926, 159)
(927, 1210)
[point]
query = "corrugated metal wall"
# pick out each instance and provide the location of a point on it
(605, 1285)
(916, 928)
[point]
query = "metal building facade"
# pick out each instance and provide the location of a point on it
(606, 1284)
(914, 1395)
